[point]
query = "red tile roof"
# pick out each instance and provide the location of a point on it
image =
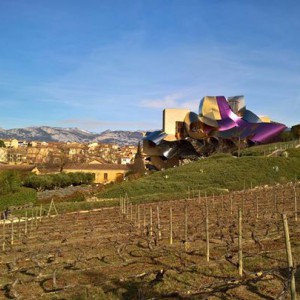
(4, 167)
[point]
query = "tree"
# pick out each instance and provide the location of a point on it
(287, 136)
(138, 164)
(39, 183)
(2, 144)
(9, 182)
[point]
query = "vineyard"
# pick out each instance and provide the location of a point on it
(196, 248)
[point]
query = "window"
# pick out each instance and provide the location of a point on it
(105, 176)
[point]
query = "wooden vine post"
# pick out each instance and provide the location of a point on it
(36, 217)
(12, 232)
(158, 223)
(231, 200)
(31, 220)
(131, 212)
(26, 223)
(19, 228)
(52, 206)
(243, 199)
(185, 227)
(207, 230)
(275, 204)
(124, 206)
(150, 223)
(289, 256)
(3, 234)
(138, 217)
(240, 251)
(171, 226)
(41, 210)
(144, 216)
(127, 207)
(256, 201)
(295, 204)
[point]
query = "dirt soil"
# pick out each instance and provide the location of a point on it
(110, 254)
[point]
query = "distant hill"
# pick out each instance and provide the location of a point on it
(58, 134)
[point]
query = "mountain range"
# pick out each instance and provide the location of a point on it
(58, 134)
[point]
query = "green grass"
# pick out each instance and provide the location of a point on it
(212, 175)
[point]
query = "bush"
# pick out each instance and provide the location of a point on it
(54, 181)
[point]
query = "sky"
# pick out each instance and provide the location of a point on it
(108, 64)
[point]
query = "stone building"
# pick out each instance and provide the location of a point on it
(104, 173)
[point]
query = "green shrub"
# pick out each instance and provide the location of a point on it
(9, 182)
(53, 181)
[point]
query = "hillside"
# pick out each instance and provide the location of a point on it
(216, 174)
(58, 134)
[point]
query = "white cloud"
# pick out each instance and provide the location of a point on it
(170, 101)
(167, 101)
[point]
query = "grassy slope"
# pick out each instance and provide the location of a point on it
(213, 174)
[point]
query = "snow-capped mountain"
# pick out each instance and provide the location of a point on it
(58, 134)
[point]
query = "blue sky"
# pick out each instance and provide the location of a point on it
(97, 64)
